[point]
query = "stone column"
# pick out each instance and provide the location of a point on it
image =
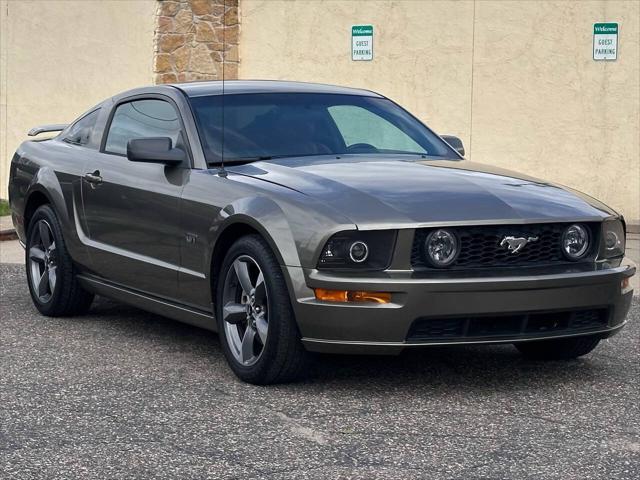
(196, 40)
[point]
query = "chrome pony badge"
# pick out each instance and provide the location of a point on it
(515, 244)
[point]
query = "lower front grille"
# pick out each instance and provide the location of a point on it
(527, 324)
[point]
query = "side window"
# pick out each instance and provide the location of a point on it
(359, 125)
(142, 118)
(80, 132)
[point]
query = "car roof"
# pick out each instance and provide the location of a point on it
(199, 89)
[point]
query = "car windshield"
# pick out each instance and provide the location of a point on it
(268, 125)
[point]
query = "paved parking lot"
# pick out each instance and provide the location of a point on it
(125, 394)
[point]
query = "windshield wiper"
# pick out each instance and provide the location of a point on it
(400, 152)
(250, 159)
(258, 158)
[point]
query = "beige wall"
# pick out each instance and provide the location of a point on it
(515, 80)
(58, 58)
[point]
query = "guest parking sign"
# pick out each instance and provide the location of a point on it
(605, 41)
(362, 42)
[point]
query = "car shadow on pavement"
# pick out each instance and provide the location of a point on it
(443, 369)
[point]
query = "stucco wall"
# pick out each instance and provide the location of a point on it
(515, 80)
(58, 58)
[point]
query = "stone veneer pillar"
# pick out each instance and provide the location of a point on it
(196, 40)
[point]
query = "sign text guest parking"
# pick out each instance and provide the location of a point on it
(362, 42)
(605, 41)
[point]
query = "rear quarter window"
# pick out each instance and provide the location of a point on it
(80, 132)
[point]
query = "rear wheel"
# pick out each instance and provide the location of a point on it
(256, 324)
(51, 275)
(560, 349)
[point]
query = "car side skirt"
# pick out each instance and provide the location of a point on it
(149, 303)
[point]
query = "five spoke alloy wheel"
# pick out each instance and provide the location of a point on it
(245, 310)
(51, 272)
(43, 261)
(257, 326)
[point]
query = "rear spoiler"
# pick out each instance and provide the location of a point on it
(54, 127)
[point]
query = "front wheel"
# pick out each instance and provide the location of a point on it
(560, 349)
(256, 324)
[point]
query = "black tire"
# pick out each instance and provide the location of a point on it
(561, 349)
(282, 357)
(67, 297)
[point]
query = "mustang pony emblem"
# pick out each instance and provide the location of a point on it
(515, 244)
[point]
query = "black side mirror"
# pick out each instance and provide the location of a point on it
(154, 150)
(455, 143)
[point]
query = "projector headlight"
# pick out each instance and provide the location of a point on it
(367, 250)
(358, 251)
(613, 239)
(441, 248)
(575, 242)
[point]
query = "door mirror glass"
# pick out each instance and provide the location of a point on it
(154, 150)
(455, 143)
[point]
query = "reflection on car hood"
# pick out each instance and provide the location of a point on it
(397, 190)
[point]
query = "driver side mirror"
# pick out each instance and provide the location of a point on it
(455, 143)
(154, 150)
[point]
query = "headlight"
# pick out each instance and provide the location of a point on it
(368, 250)
(575, 242)
(441, 248)
(613, 239)
(358, 251)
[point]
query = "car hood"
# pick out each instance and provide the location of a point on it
(398, 190)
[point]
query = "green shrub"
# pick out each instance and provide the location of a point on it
(4, 208)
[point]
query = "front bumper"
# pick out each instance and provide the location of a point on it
(546, 299)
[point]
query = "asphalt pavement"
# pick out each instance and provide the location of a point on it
(124, 394)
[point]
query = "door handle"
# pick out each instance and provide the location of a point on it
(93, 178)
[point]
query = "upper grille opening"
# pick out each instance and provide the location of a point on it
(480, 246)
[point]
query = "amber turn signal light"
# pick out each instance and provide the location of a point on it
(347, 296)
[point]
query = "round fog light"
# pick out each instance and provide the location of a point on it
(358, 251)
(441, 247)
(575, 242)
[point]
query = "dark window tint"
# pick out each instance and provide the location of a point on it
(80, 132)
(298, 124)
(140, 119)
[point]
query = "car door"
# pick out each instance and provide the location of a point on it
(132, 209)
(72, 148)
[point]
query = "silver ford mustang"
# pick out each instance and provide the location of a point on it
(296, 218)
